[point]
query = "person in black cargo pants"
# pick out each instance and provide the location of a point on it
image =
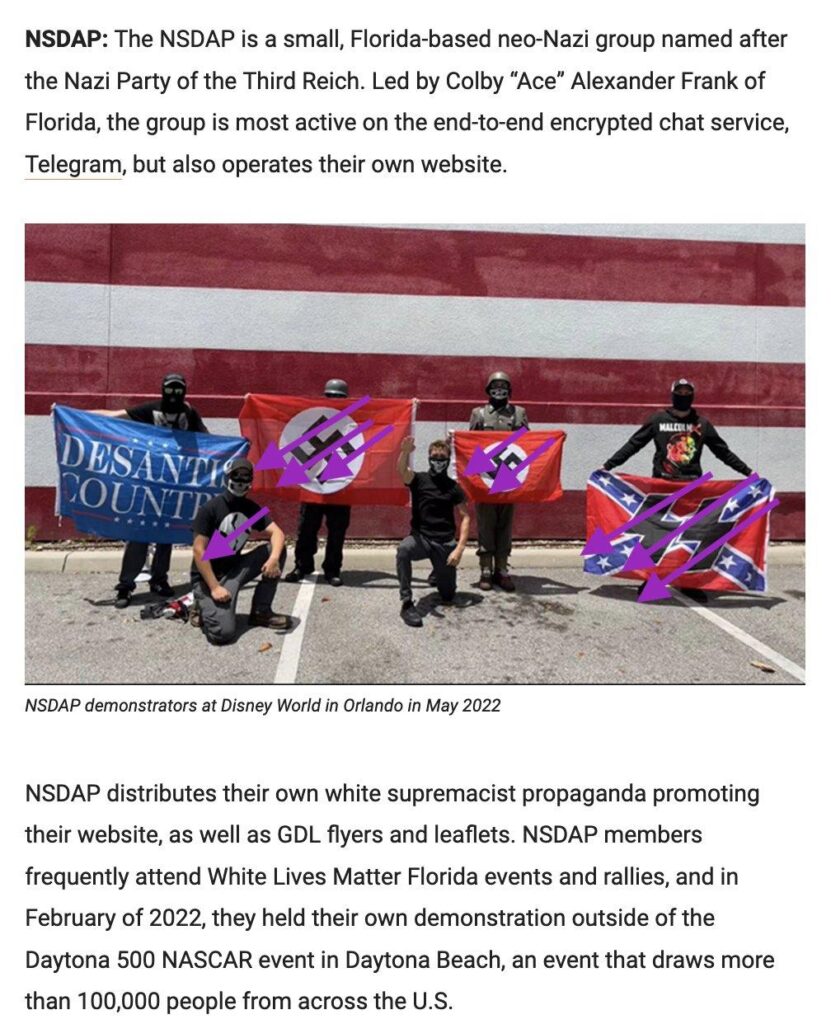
(311, 519)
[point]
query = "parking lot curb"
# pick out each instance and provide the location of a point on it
(374, 557)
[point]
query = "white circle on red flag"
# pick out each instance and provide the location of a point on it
(512, 456)
(301, 424)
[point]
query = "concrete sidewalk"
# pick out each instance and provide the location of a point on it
(370, 557)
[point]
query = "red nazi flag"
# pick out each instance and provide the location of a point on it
(533, 460)
(373, 479)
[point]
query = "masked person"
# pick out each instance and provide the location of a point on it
(495, 523)
(435, 497)
(218, 581)
(174, 412)
(311, 519)
(679, 433)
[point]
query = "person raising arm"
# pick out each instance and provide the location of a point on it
(435, 497)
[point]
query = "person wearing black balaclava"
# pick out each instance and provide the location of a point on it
(435, 498)
(311, 518)
(495, 523)
(174, 412)
(218, 581)
(680, 434)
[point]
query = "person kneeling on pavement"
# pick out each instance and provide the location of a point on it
(435, 496)
(218, 581)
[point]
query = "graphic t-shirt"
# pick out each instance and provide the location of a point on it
(151, 412)
(679, 442)
(434, 498)
(226, 513)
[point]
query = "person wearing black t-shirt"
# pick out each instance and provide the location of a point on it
(679, 434)
(218, 581)
(174, 412)
(435, 497)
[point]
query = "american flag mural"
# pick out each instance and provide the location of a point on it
(592, 322)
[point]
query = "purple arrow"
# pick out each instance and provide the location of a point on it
(275, 458)
(219, 546)
(507, 478)
(656, 588)
(483, 461)
(639, 556)
(295, 471)
(600, 543)
(338, 467)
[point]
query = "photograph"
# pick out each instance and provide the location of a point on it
(434, 454)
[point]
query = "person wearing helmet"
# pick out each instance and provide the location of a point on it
(679, 433)
(495, 523)
(218, 581)
(311, 518)
(173, 412)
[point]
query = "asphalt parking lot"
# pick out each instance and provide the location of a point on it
(561, 626)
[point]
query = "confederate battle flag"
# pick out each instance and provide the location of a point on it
(492, 469)
(739, 564)
(338, 451)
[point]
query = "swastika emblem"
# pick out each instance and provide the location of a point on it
(306, 452)
(511, 456)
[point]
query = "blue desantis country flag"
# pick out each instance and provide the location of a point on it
(131, 481)
(613, 500)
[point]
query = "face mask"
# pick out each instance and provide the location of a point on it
(438, 466)
(238, 487)
(173, 398)
(498, 396)
(683, 403)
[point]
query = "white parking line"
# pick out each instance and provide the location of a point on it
(293, 643)
(745, 638)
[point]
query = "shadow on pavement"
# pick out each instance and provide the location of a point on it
(431, 604)
(365, 577)
(727, 601)
(369, 577)
(140, 597)
(715, 599)
(543, 586)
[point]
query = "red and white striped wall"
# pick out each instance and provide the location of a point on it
(592, 323)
